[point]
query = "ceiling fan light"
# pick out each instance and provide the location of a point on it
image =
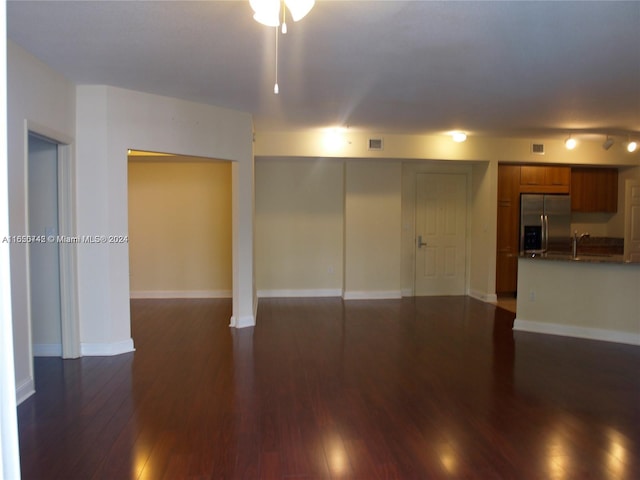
(299, 8)
(632, 146)
(266, 12)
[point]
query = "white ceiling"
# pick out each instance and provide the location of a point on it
(490, 68)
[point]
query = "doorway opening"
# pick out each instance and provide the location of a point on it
(51, 249)
(180, 226)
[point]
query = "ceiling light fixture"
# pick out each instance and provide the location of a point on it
(608, 143)
(570, 143)
(632, 146)
(459, 137)
(267, 12)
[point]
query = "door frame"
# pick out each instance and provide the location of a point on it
(410, 170)
(70, 322)
(466, 226)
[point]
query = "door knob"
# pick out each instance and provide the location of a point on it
(420, 242)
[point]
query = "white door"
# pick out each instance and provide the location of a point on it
(441, 212)
(632, 221)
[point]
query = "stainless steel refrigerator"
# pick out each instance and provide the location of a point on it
(545, 223)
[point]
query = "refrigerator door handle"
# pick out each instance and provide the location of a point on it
(543, 233)
(546, 233)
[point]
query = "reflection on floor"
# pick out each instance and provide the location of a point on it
(508, 303)
(323, 388)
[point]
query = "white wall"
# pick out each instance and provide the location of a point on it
(580, 299)
(299, 227)
(372, 245)
(110, 121)
(42, 100)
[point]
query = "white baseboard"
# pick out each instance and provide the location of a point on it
(139, 294)
(25, 390)
(577, 332)
(407, 292)
(243, 322)
(106, 349)
(483, 297)
(327, 292)
(372, 295)
(47, 350)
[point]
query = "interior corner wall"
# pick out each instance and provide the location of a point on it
(372, 245)
(37, 97)
(110, 121)
(482, 248)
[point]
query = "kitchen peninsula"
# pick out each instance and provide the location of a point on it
(595, 297)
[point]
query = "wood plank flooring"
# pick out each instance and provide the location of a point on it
(424, 388)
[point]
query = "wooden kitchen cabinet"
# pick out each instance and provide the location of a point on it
(594, 190)
(508, 229)
(544, 179)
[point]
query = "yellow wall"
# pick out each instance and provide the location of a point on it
(299, 227)
(179, 228)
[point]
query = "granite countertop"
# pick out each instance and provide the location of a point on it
(590, 250)
(581, 258)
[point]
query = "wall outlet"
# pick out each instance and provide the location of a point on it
(532, 295)
(330, 269)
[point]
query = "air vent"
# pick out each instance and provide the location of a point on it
(375, 144)
(537, 148)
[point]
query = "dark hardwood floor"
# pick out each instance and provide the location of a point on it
(424, 388)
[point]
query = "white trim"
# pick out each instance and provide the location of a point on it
(9, 444)
(47, 350)
(68, 279)
(70, 322)
(140, 294)
(25, 390)
(300, 293)
(106, 349)
(578, 332)
(243, 322)
(483, 297)
(373, 295)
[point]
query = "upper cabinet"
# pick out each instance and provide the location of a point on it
(544, 179)
(594, 190)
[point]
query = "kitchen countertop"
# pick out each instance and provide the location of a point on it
(581, 258)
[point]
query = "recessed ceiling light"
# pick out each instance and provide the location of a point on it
(570, 143)
(459, 137)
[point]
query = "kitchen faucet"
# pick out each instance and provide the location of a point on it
(576, 240)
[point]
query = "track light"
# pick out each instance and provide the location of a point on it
(632, 146)
(608, 143)
(570, 143)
